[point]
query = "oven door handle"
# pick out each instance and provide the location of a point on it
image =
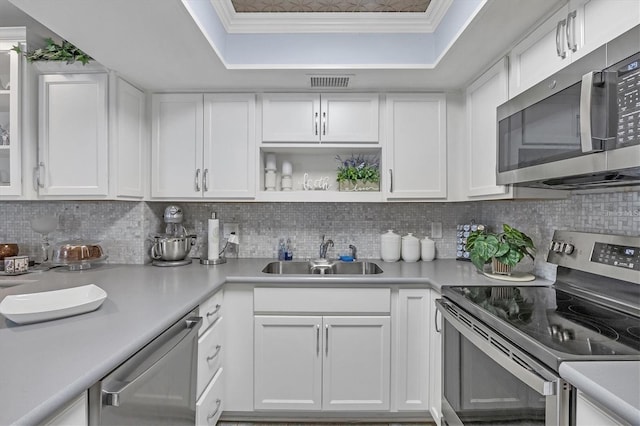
(146, 362)
(515, 362)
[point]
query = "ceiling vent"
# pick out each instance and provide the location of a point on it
(329, 81)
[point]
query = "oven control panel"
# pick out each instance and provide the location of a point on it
(616, 255)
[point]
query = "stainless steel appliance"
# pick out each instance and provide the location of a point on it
(155, 386)
(172, 247)
(502, 346)
(579, 128)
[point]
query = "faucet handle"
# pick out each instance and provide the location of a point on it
(354, 251)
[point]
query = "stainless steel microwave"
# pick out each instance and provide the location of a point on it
(578, 129)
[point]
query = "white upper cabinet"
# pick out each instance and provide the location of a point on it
(176, 150)
(10, 123)
(312, 117)
(229, 146)
(73, 135)
(415, 149)
(578, 28)
(128, 140)
(483, 98)
(203, 146)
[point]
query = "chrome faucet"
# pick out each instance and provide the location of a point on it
(354, 251)
(324, 246)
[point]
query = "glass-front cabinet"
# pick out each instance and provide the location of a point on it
(10, 159)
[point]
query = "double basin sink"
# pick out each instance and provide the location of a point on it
(322, 267)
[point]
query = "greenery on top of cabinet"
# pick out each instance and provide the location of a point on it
(64, 51)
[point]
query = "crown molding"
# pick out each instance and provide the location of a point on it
(322, 22)
(13, 33)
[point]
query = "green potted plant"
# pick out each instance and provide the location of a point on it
(503, 250)
(64, 51)
(358, 173)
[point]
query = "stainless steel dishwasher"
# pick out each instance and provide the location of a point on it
(156, 386)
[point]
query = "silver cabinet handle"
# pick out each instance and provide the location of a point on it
(40, 175)
(215, 354)
(197, 180)
(318, 339)
(205, 180)
(435, 322)
(326, 347)
(316, 122)
(559, 44)
(570, 31)
(324, 123)
(215, 311)
(390, 180)
(212, 415)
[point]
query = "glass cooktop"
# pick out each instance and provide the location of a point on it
(552, 324)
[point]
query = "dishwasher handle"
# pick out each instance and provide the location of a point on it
(144, 363)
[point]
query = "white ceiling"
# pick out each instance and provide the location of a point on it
(156, 45)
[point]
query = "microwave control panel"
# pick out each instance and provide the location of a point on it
(628, 88)
(616, 255)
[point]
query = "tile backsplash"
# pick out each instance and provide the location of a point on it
(123, 227)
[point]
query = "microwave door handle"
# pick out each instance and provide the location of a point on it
(586, 94)
(115, 391)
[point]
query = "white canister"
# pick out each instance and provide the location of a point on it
(390, 244)
(428, 249)
(410, 248)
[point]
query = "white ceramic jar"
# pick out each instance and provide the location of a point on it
(428, 247)
(390, 244)
(410, 248)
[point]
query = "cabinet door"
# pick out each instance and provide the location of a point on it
(483, 98)
(435, 362)
(229, 147)
(588, 413)
(10, 125)
(587, 31)
(74, 413)
(176, 150)
(128, 140)
(413, 354)
(288, 362)
(291, 117)
(356, 371)
(73, 135)
(349, 117)
(536, 57)
(415, 152)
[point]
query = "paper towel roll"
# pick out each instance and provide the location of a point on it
(213, 235)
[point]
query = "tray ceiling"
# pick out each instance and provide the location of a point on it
(339, 6)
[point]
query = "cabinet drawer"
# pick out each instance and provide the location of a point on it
(210, 310)
(326, 300)
(210, 405)
(209, 355)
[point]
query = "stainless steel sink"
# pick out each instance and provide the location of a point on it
(324, 268)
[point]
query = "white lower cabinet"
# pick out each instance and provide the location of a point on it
(210, 405)
(328, 363)
(435, 361)
(74, 413)
(413, 355)
(209, 355)
(322, 349)
(589, 413)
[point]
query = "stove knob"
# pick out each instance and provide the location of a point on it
(557, 247)
(568, 248)
(567, 334)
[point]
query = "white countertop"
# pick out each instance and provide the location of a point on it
(45, 365)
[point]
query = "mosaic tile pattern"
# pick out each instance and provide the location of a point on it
(117, 225)
(123, 228)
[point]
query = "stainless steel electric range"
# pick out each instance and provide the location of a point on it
(503, 345)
